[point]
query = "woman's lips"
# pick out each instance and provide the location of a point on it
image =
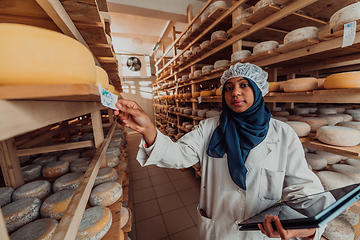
(237, 102)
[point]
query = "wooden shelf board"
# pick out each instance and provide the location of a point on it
(218, 12)
(263, 13)
(260, 56)
(294, 46)
(60, 92)
(352, 152)
(182, 128)
(311, 136)
(238, 28)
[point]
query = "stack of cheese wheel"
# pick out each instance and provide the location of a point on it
(5, 195)
(343, 80)
(105, 194)
(338, 136)
(102, 77)
(300, 84)
(62, 59)
(301, 34)
(39, 189)
(345, 15)
(39, 229)
(95, 223)
(56, 204)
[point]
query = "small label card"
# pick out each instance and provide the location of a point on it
(349, 34)
(199, 99)
(108, 99)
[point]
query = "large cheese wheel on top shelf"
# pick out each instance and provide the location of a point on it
(55, 205)
(338, 136)
(343, 80)
(39, 189)
(300, 84)
(347, 14)
(41, 229)
(46, 57)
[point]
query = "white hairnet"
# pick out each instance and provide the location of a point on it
(249, 71)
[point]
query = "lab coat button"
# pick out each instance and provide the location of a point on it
(239, 190)
(237, 223)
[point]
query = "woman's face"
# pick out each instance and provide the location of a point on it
(238, 94)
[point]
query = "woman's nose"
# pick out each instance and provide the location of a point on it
(236, 92)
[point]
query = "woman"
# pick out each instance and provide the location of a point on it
(249, 161)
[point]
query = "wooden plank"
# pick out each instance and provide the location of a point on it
(240, 27)
(84, 11)
(102, 50)
(70, 221)
(54, 148)
(263, 13)
(39, 139)
(218, 12)
(98, 133)
(328, 33)
(46, 23)
(93, 33)
(10, 165)
(3, 229)
(38, 114)
(21, 8)
(102, 5)
(258, 57)
(83, 91)
(296, 45)
(352, 152)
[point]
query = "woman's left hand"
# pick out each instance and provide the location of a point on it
(282, 233)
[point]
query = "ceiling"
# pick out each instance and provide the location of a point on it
(137, 25)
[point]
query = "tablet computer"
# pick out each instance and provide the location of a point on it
(308, 211)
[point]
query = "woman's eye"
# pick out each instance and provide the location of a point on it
(244, 85)
(228, 88)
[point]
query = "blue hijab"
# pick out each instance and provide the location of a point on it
(238, 133)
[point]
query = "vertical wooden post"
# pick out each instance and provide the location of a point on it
(98, 133)
(238, 45)
(163, 60)
(111, 115)
(3, 229)
(10, 165)
(66, 133)
(173, 36)
(190, 13)
(290, 105)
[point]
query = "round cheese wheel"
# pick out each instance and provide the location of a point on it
(195, 49)
(112, 162)
(332, 180)
(354, 113)
(281, 84)
(299, 111)
(194, 112)
(345, 15)
(218, 92)
(348, 170)
(339, 229)
(332, 119)
(293, 117)
(280, 113)
(56, 204)
(339, 109)
(197, 73)
(326, 111)
(338, 136)
(104, 175)
(115, 141)
(218, 34)
(346, 117)
(39, 189)
(184, 78)
(316, 161)
(207, 68)
(204, 44)
(217, 4)
(122, 166)
(206, 93)
(69, 180)
(21, 212)
(95, 223)
(186, 96)
(350, 216)
(88, 153)
(195, 26)
(80, 165)
(343, 80)
(212, 113)
(55, 169)
(112, 152)
(42, 229)
(53, 58)
(88, 136)
(102, 77)
(300, 34)
(300, 84)
(242, 17)
(125, 215)
(263, 3)
(70, 156)
(5, 195)
(221, 64)
(31, 172)
(274, 87)
(314, 122)
(185, 123)
(202, 113)
(353, 162)
(330, 157)
(189, 126)
(239, 55)
(43, 160)
(105, 194)
(265, 46)
(301, 129)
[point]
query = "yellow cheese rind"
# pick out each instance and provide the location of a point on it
(300, 84)
(55, 205)
(55, 169)
(44, 57)
(105, 194)
(102, 77)
(42, 229)
(343, 80)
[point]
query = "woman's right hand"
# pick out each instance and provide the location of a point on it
(132, 116)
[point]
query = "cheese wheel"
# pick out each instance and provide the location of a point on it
(31, 172)
(314, 122)
(21, 212)
(338, 136)
(316, 161)
(346, 117)
(112, 162)
(39, 189)
(53, 58)
(217, 4)
(197, 73)
(332, 119)
(194, 112)
(301, 129)
(42, 229)
(202, 113)
(95, 223)
(104, 175)
(204, 44)
(5, 195)
(80, 165)
(274, 87)
(343, 80)
(218, 92)
(195, 49)
(339, 109)
(300, 34)
(105, 194)
(56, 204)
(102, 77)
(299, 111)
(326, 111)
(69, 180)
(87, 136)
(189, 110)
(280, 113)
(332, 180)
(263, 3)
(43, 160)
(55, 169)
(350, 216)
(115, 141)
(355, 113)
(212, 113)
(300, 84)
(347, 14)
(122, 166)
(207, 68)
(281, 85)
(184, 78)
(70, 156)
(265, 46)
(221, 64)
(56, 153)
(112, 152)
(293, 117)
(195, 26)
(239, 55)
(242, 17)
(312, 109)
(206, 93)
(218, 34)
(348, 170)
(350, 124)
(330, 157)
(125, 215)
(353, 162)
(339, 229)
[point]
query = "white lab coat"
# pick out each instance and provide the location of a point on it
(277, 170)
